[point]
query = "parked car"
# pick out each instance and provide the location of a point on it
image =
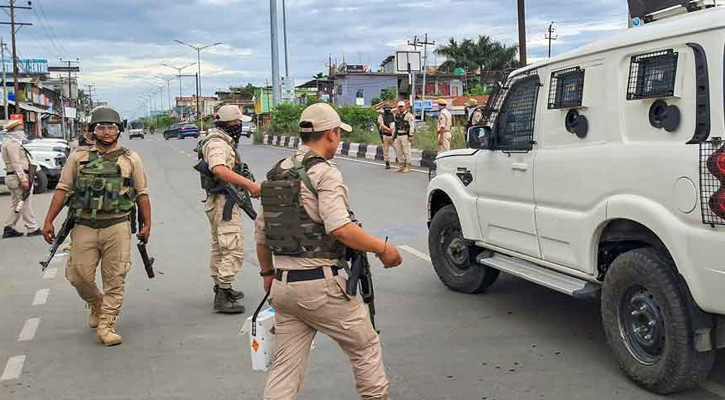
(41, 176)
(181, 131)
(136, 133)
(601, 174)
(247, 129)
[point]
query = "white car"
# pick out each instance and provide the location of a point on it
(136, 133)
(50, 155)
(601, 174)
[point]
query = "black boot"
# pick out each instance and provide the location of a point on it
(10, 232)
(36, 232)
(387, 165)
(225, 304)
(236, 295)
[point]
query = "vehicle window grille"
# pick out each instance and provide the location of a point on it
(500, 93)
(652, 75)
(709, 184)
(566, 89)
(514, 127)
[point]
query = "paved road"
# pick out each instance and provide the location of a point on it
(518, 341)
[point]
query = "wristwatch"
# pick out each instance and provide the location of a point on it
(267, 273)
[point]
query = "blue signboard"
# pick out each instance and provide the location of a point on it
(425, 105)
(29, 66)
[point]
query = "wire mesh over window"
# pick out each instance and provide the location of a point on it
(567, 88)
(710, 185)
(514, 127)
(652, 75)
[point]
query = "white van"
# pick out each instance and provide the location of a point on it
(601, 173)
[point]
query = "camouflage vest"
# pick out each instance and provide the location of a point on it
(402, 127)
(99, 185)
(211, 184)
(289, 229)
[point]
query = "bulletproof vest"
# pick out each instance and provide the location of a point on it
(100, 183)
(211, 183)
(289, 229)
(402, 127)
(388, 118)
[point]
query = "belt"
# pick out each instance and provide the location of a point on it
(304, 275)
(403, 134)
(101, 223)
(13, 173)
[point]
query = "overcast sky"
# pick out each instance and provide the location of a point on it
(121, 43)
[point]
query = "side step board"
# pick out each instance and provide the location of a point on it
(566, 284)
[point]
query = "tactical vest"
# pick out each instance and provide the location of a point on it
(99, 185)
(402, 127)
(289, 229)
(388, 118)
(211, 183)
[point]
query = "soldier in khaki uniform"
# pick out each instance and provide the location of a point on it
(219, 151)
(404, 130)
(302, 230)
(386, 125)
(103, 230)
(445, 125)
(17, 164)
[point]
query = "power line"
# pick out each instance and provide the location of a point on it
(50, 27)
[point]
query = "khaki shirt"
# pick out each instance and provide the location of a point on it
(329, 208)
(411, 121)
(445, 120)
(131, 167)
(15, 158)
(217, 151)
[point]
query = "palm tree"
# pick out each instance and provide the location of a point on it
(483, 54)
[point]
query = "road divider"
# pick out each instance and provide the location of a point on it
(29, 329)
(13, 368)
(41, 297)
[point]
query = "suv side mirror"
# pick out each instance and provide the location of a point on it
(478, 137)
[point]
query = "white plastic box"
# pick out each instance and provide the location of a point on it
(261, 345)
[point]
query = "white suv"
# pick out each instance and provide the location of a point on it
(601, 173)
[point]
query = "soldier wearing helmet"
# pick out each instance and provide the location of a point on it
(386, 126)
(102, 185)
(219, 151)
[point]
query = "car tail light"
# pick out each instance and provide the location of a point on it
(712, 181)
(717, 203)
(716, 164)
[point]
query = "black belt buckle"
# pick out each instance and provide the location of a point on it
(304, 275)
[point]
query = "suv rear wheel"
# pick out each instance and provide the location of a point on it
(648, 324)
(41, 182)
(450, 255)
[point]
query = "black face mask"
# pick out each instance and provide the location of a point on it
(235, 131)
(387, 111)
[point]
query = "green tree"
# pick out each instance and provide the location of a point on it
(483, 54)
(388, 94)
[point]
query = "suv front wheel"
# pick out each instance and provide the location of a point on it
(450, 255)
(647, 320)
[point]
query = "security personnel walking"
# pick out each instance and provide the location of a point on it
(386, 125)
(302, 232)
(102, 185)
(17, 168)
(219, 151)
(404, 129)
(445, 125)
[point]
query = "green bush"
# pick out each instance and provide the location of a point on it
(285, 118)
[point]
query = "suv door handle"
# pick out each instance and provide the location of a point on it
(520, 166)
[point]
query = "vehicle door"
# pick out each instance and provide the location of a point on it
(504, 178)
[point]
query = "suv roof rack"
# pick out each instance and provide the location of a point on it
(654, 10)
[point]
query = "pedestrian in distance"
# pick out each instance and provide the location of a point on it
(19, 179)
(404, 130)
(386, 126)
(102, 185)
(445, 125)
(219, 150)
(302, 231)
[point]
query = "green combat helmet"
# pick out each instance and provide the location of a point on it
(106, 115)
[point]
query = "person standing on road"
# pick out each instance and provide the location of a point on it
(17, 167)
(102, 186)
(445, 125)
(219, 151)
(404, 129)
(386, 125)
(302, 230)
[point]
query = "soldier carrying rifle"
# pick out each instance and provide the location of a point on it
(102, 185)
(302, 232)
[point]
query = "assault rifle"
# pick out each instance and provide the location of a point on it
(70, 222)
(32, 170)
(148, 262)
(243, 200)
(361, 275)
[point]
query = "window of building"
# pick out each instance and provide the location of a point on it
(566, 89)
(514, 127)
(360, 93)
(652, 75)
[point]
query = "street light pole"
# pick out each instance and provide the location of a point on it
(522, 33)
(178, 75)
(198, 61)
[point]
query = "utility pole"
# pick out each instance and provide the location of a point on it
(70, 92)
(522, 33)
(13, 31)
(284, 31)
(198, 114)
(425, 43)
(5, 87)
(550, 36)
(276, 90)
(198, 73)
(90, 94)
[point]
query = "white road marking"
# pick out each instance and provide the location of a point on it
(50, 273)
(41, 297)
(13, 368)
(357, 160)
(713, 387)
(415, 252)
(29, 329)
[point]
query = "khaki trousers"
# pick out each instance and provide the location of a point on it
(388, 142)
(402, 147)
(446, 145)
(227, 242)
(112, 247)
(26, 212)
(303, 309)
